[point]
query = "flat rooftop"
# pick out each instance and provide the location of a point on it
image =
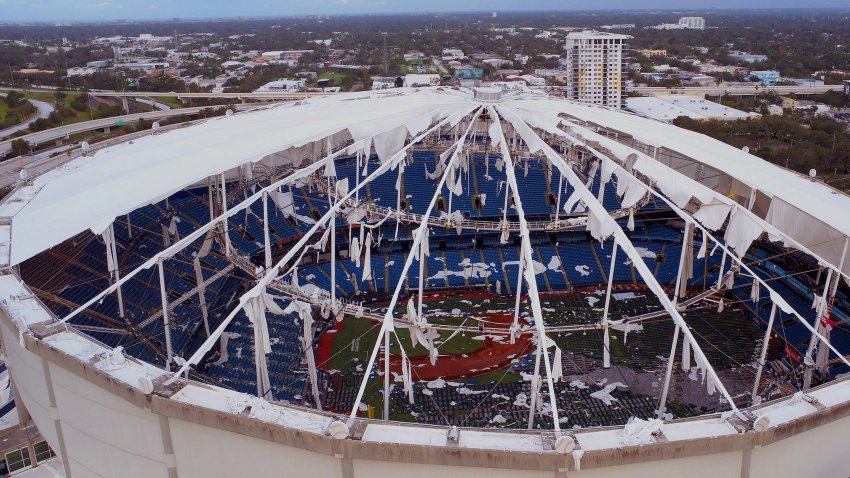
(669, 107)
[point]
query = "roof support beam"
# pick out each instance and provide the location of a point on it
(606, 354)
(776, 297)
(272, 273)
(607, 226)
(165, 323)
(498, 136)
(387, 324)
(182, 243)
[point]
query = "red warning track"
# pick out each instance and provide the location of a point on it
(491, 356)
(325, 348)
(494, 354)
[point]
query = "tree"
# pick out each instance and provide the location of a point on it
(14, 99)
(21, 146)
(60, 97)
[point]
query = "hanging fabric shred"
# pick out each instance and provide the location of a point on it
(111, 255)
(424, 247)
(294, 279)
(330, 168)
(407, 383)
(367, 259)
(503, 225)
(255, 309)
(687, 265)
(631, 224)
(411, 312)
(305, 313)
(557, 365)
(354, 251)
(703, 249)
(433, 355)
(755, 292)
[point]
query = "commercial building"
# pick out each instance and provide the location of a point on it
(80, 71)
(694, 23)
(651, 53)
(453, 54)
(685, 23)
(595, 65)
(293, 55)
(282, 85)
(421, 80)
(747, 57)
(468, 73)
(766, 77)
(668, 108)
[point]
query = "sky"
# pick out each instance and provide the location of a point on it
(48, 10)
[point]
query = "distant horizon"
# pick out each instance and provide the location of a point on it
(94, 11)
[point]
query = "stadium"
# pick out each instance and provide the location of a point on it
(421, 281)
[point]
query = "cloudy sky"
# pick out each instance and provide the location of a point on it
(16, 10)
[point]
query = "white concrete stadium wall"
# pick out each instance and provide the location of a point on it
(822, 451)
(203, 451)
(108, 429)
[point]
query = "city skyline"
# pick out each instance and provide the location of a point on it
(97, 10)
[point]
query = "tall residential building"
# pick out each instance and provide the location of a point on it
(595, 67)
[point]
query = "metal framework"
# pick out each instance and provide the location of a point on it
(524, 136)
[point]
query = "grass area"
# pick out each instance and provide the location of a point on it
(354, 329)
(47, 97)
(170, 101)
(460, 343)
(337, 78)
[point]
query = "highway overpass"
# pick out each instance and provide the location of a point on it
(265, 96)
(64, 132)
(735, 90)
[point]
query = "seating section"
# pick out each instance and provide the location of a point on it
(472, 260)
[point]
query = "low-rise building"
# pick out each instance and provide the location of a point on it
(747, 57)
(384, 82)
(468, 72)
(653, 53)
(766, 77)
(282, 86)
(668, 108)
(621, 26)
(453, 54)
(80, 71)
(414, 55)
(421, 80)
(293, 55)
(532, 80)
(99, 64)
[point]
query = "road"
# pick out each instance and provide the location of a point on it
(234, 96)
(65, 131)
(44, 110)
(44, 161)
(735, 90)
(155, 104)
(650, 90)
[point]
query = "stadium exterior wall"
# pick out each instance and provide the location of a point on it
(103, 427)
